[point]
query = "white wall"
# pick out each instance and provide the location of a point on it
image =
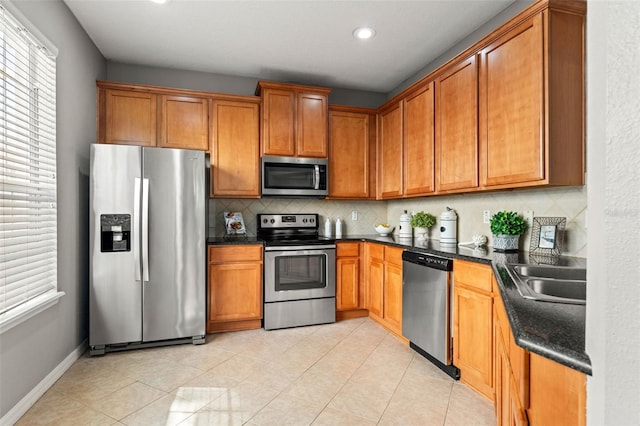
(613, 154)
(34, 348)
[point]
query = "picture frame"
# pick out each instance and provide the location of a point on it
(547, 234)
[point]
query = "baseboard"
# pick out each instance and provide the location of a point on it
(36, 393)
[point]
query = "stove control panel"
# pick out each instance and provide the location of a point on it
(299, 220)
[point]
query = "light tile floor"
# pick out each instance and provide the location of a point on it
(352, 372)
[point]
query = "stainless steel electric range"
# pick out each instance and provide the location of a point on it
(299, 271)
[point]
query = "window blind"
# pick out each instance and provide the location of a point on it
(28, 222)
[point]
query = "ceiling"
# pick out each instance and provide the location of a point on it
(304, 41)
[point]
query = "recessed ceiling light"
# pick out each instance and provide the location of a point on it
(160, 1)
(364, 33)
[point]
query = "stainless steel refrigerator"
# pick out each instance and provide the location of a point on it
(147, 247)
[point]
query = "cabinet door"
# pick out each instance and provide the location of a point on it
(501, 380)
(390, 152)
(393, 297)
(472, 338)
(184, 123)
(512, 102)
(419, 142)
(375, 275)
(457, 127)
(235, 156)
(278, 122)
(557, 393)
(130, 117)
(349, 154)
(311, 125)
(347, 281)
(235, 291)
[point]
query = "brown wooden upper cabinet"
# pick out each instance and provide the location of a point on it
(418, 141)
(532, 101)
(406, 145)
(184, 122)
(390, 151)
(294, 120)
(127, 118)
(457, 127)
(235, 148)
(352, 153)
(152, 116)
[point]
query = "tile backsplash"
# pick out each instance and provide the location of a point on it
(369, 212)
(568, 202)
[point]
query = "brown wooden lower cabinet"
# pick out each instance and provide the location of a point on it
(235, 288)
(531, 389)
(557, 394)
(472, 325)
(383, 280)
(511, 372)
(349, 294)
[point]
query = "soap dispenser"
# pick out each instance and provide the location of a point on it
(338, 228)
(327, 227)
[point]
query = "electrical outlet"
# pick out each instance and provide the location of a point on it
(354, 215)
(528, 215)
(486, 216)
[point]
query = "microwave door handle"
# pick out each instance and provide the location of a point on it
(316, 177)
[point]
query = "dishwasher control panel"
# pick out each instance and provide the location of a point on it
(429, 260)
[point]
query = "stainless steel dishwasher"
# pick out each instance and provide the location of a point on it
(426, 308)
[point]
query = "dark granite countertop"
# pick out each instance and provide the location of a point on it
(233, 239)
(553, 330)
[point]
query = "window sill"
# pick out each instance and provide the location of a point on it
(10, 319)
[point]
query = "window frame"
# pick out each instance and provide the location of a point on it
(36, 49)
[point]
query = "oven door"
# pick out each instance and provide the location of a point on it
(297, 273)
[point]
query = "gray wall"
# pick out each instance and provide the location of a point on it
(613, 283)
(34, 348)
(194, 80)
(508, 13)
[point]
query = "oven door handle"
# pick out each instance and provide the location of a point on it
(298, 249)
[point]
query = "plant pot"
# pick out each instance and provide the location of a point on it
(421, 233)
(505, 243)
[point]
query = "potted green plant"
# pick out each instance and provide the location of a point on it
(421, 222)
(506, 228)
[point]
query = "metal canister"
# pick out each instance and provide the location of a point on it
(404, 230)
(449, 227)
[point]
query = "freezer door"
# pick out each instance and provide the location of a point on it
(115, 297)
(174, 255)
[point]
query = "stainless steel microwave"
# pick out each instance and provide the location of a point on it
(294, 177)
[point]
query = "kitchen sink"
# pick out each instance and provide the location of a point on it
(556, 272)
(560, 284)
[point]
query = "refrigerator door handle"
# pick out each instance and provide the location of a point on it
(136, 227)
(145, 230)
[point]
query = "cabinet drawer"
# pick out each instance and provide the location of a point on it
(235, 253)
(472, 274)
(347, 249)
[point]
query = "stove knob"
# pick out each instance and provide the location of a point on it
(273, 221)
(304, 220)
(265, 220)
(312, 220)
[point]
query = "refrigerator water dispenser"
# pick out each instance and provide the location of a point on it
(115, 232)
